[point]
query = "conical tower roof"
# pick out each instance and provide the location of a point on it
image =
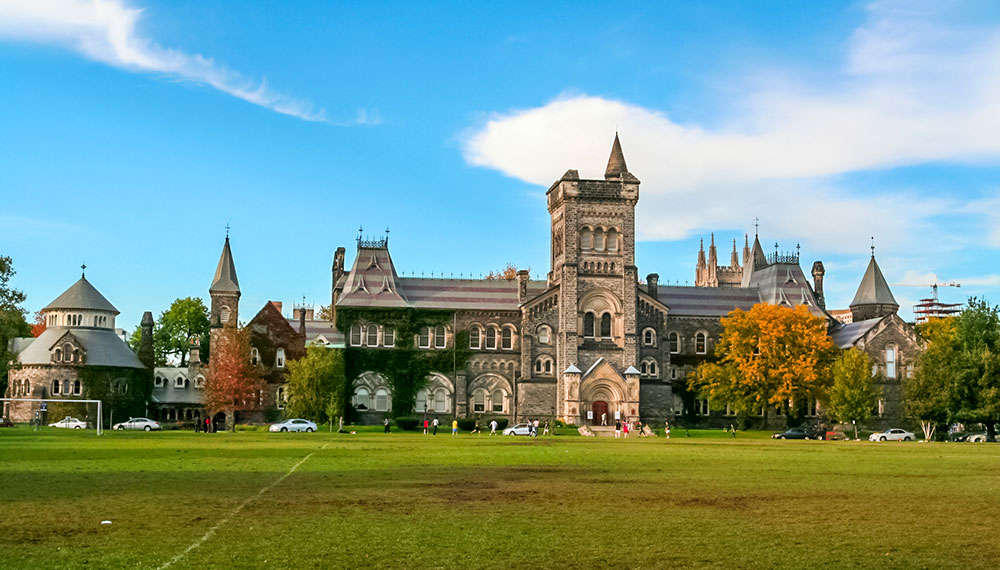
(873, 289)
(81, 295)
(225, 274)
(616, 162)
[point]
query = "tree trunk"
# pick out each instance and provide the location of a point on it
(855, 424)
(991, 431)
(928, 427)
(231, 418)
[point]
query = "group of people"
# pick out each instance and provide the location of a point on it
(533, 426)
(623, 428)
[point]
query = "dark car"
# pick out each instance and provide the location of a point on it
(797, 433)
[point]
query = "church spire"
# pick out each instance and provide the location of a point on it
(225, 280)
(734, 259)
(616, 162)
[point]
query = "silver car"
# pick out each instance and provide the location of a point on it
(69, 423)
(144, 424)
(894, 434)
(294, 424)
(519, 429)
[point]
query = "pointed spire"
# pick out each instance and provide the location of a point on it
(734, 259)
(616, 162)
(701, 253)
(873, 289)
(225, 274)
(712, 254)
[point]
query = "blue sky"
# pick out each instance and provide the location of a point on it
(134, 131)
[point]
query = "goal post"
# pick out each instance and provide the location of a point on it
(100, 415)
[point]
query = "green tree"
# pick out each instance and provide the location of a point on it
(927, 391)
(853, 394)
(316, 385)
(186, 318)
(13, 323)
(975, 394)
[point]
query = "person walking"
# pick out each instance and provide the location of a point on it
(545, 430)
(385, 422)
(454, 427)
(604, 418)
(534, 429)
(197, 426)
(475, 428)
(493, 427)
(666, 428)
(434, 425)
(638, 428)
(618, 428)
(208, 425)
(732, 429)
(426, 423)
(625, 426)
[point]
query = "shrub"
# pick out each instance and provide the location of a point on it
(501, 423)
(407, 424)
(467, 424)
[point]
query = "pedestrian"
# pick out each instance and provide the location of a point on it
(666, 428)
(604, 418)
(534, 429)
(426, 423)
(434, 425)
(618, 428)
(546, 430)
(493, 427)
(385, 422)
(454, 427)
(197, 426)
(732, 429)
(638, 427)
(625, 426)
(208, 425)
(475, 428)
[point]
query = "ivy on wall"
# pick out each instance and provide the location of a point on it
(405, 367)
(104, 383)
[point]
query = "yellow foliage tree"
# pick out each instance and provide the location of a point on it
(767, 357)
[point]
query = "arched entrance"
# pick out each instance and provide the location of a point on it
(600, 409)
(601, 396)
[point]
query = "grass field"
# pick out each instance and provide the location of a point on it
(417, 502)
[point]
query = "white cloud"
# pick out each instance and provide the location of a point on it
(916, 86)
(107, 31)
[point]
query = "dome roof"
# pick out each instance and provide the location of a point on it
(81, 296)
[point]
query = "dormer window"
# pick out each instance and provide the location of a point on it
(179, 382)
(158, 382)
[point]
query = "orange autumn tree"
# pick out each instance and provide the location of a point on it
(233, 383)
(767, 357)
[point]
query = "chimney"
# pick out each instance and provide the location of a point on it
(818, 271)
(277, 305)
(146, 340)
(302, 321)
(522, 286)
(194, 351)
(652, 281)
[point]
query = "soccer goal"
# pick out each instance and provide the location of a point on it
(44, 402)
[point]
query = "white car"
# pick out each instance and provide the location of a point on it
(519, 429)
(145, 424)
(294, 424)
(69, 423)
(894, 434)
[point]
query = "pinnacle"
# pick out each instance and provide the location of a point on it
(616, 162)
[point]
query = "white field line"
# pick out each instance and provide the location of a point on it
(239, 508)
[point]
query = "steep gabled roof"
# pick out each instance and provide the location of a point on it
(616, 162)
(225, 274)
(81, 295)
(372, 281)
(873, 289)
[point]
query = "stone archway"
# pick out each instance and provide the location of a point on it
(602, 395)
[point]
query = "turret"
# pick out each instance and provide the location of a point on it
(652, 285)
(700, 272)
(734, 259)
(873, 299)
(713, 264)
(146, 341)
(225, 290)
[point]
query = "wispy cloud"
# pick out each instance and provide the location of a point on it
(916, 86)
(108, 31)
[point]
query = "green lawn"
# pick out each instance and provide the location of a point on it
(418, 502)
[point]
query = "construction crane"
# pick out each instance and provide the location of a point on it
(928, 308)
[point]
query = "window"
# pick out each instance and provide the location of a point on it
(355, 335)
(474, 340)
(361, 399)
(158, 382)
(224, 314)
(59, 355)
(729, 410)
(372, 335)
(673, 373)
(381, 400)
(279, 359)
(652, 368)
(586, 239)
(598, 239)
(479, 401)
(812, 407)
(881, 407)
(507, 339)
(909, 370)
(612, 238)
(700, 343)
(420, 405)
(606, 325)
(179, 382)
(491, 338)
(424, 338)
(497, 401)
(76, 387)
(649, 337)
(440, 401)
(642, 368)
(890, 362)
(55, 387)
(388, 337)
(280, 398)
(254, 356)
(68, 352)
(439, 337)
(199, 382)
(543, 334)
(701, 407)
(543, 365)
(588, 325)
(648, 368)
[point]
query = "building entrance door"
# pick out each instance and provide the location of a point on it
(600, 409)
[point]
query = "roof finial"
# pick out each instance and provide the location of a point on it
(873, 246)
(84, 268)
(227, 230)
(798, 250)
(756, 226)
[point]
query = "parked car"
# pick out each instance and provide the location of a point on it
(295, 424)
(145, 424)
(69, 423)
(894, 434)
(519, 429)
(798, 433)
(5, 422)
(980, 437)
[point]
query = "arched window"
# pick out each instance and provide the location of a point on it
(179, 382)
(439, 337)
(355, 335)
(498, 401)
(279, 359)
(424, 338)
(157, 382)
(55, 387)
(543, 365)
(68, 352)
(224, 314)
(372, 335)
(440, 401)
(588, 325)
(674, 340)
(700, 342)
(381, 400)
(642, 368)
(420, 405)
(544, 334)
(586, 239)
(649, 337)
(612, 238)
(606, 325)
(598, 239)
(890, 362)
(362, 399)
(651, 369)
(76, 387)
(479, 401)
(388, 337)
(254, 356)
(491, 338)
(199, 382)
(59, 355)
(507, 339)
(474, 338)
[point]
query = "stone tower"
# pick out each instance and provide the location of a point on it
(593, 264)
(225, 291)
(873, 298)
(146, 355)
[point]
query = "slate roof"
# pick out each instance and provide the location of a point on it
(225, 280)
(785, 284)
(103, 347)
(846, 335)
(81, 295)
(873, 289)
(467, 294)
(169, 394)
(705, 301)
(316, 329)
(372, 281)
